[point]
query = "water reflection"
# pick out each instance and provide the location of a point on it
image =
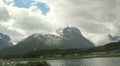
(86, 62)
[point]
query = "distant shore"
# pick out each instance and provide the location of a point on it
(75, 57)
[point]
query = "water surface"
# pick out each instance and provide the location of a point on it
(111, 61)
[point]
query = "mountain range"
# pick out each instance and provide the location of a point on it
(68, 38)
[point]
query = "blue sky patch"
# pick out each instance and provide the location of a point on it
(42, 6)
(23, 3)
(27, 3)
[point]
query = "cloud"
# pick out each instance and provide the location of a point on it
(4, 14)
(19, 23)
(99, 17)
(95, 18)
(8, 2)
(14, 35)
(28, 3)
(31, 23)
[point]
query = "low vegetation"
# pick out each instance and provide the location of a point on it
(26, 64)
(33, 64)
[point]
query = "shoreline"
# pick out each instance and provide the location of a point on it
(75, 57)
(67, 57)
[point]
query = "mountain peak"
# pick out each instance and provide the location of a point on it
(71, 29)
(36, 35)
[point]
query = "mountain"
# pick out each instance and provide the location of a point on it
(5, 41)
(72, 38)
(114, 38)
(69, 38)
(32, 43)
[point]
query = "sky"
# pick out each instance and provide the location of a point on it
(96, 19)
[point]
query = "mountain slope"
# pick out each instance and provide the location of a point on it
(5, 41)
(72, 38)
(32, 43)
(112, 46)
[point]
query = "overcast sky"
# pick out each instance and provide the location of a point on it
(95, 18)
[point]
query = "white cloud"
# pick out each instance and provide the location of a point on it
(23, 22)
(96, 18)
(4, 14)
(8, 2)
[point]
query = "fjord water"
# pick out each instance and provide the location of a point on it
(111, 61)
